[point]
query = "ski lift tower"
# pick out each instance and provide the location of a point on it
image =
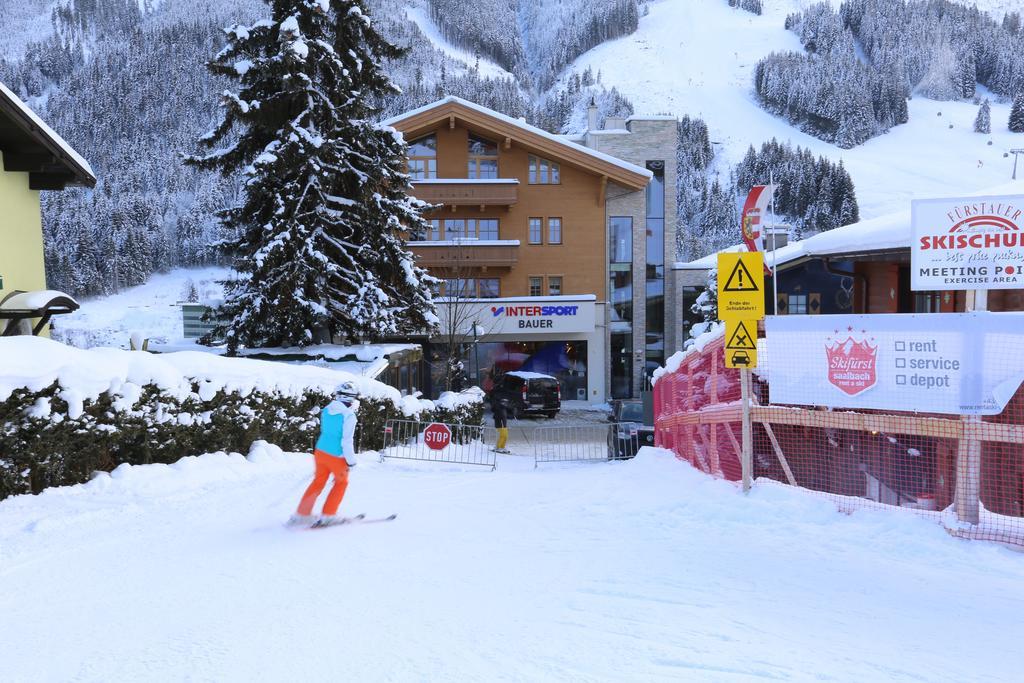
(1016, 153)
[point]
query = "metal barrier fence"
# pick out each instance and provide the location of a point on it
(438, 442)
(963, 471)
(587, 442)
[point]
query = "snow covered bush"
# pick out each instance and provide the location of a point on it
(66, 413)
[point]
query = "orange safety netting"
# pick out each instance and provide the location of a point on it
(860, 458)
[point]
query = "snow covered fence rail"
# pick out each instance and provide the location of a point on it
(439, 442)
(963, 470)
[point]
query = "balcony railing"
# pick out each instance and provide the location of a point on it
(466, 253)
(467, 191)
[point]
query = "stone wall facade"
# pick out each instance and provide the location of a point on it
(640, 140)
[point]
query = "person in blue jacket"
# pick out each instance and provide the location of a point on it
(333, 454)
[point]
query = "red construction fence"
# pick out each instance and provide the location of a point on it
(917, 462)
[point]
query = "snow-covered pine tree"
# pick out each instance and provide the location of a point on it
(1017, 114)
(983, 122)
(318, 232)
(706, 306)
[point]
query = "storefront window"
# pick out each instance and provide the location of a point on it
(564, 360)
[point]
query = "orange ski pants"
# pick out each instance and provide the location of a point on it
(326, 465)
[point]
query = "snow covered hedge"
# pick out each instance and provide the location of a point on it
(66, 413)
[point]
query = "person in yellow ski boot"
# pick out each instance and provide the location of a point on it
(333, 454)
(499, 407)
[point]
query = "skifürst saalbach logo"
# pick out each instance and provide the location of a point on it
(852, 361)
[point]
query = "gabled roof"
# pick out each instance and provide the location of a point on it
(553, 146)
(30, 146)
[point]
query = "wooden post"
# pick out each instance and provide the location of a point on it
(968, 472)
(968, 455)
(747, 461)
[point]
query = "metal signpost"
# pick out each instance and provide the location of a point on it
(741, 306)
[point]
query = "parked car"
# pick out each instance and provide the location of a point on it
(530, 392)
(629, 432)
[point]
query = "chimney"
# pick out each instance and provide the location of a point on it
(592, 115)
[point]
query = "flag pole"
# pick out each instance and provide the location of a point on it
(775, 274)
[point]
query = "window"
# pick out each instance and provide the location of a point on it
(554, 231)
(620, 295)
(797, 304)
(473, 288)
(483, 158)
(461, 228)
(488, 228)
(490, 288)
(621, 239)
(655, 304)
(554, 285)
(927, 302)
(455, 228)
(544, 172)
(536, 286)
(462, 287)
(536, 230)
(423, 158)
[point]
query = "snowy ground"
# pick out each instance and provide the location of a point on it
(642, 570)
(697, 57)
(150, 310)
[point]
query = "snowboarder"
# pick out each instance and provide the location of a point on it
(334, 454)
(499, 406)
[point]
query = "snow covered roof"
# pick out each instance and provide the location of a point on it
(559, 146)
(659, 117)
(522, 374)
(22, 133)
(889, 232)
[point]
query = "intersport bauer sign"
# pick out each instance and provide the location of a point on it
(967, 243)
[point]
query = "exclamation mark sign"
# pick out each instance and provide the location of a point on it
(739, 271)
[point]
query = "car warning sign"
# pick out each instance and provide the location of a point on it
(741, 286)
(740, 343)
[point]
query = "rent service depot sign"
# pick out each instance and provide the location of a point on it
(972, 243)
(955, 363)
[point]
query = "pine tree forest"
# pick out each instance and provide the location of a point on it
(127, 82)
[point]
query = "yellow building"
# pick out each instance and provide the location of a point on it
(34, 159)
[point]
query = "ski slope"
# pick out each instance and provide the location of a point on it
(643, 570)
(697, 57)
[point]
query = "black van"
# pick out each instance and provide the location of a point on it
(530, 392)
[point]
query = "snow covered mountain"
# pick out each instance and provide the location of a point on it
(697, 57)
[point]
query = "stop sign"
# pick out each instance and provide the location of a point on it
(437, 436)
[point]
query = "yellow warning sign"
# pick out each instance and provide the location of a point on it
(740, 343)
(738, 334)
(740, 359)
(741, 286)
